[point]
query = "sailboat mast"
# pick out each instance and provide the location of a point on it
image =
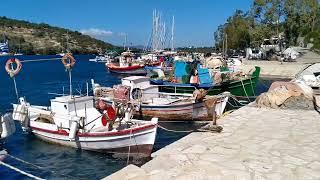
(125, 41)
(172, 34)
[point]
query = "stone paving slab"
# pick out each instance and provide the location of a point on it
(255, 144)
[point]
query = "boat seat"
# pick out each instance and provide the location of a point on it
(45, 118)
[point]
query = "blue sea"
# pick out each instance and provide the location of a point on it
(35, 81)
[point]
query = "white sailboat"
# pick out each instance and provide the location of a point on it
(4, 49)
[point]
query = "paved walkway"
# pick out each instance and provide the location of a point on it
(286, 70)
(255, 144)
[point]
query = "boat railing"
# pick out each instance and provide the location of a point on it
(175, 87)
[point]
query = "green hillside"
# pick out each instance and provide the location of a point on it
(33, 38)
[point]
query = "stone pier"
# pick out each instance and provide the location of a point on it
(255, 144)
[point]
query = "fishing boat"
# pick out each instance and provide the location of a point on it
(149, 102)
(74, 121)
(4, 49)
(7, 126)
(104, 58)
(135, 69)
(100, 58)
(127, 65)
(243, 85)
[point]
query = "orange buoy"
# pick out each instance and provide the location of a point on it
(10, 69)
(68, 64)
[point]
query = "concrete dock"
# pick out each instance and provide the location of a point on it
(284, 70)
(255, 144)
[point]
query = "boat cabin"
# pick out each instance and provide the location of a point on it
(140, 88)
(74, 108)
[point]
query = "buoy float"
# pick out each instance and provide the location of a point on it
(65, 62)
(109, 114)
(10, 69)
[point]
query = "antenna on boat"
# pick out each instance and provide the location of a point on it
(70, 81)
(125, 41)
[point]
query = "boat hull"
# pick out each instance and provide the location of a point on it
(137, 142)
(132, 70)
(184, 112)
(245, 87)
(191, 112)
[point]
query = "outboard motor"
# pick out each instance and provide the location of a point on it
(7, 126)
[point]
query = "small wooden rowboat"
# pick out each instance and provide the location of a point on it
(149, 102)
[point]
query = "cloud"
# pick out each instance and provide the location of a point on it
(122, 34)
(96, 32)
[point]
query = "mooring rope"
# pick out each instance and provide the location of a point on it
(39, 60)
(23, 161)
(161, 127)
(235, 99)
(254, 94)
(244, 89)
(20, 171)
(39, 167)
(128, 158)
(263, 84)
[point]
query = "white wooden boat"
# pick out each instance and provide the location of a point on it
(74, 121)
(7, 126)
(149, 102)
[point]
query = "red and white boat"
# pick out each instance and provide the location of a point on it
(135, 69)
(74, 121)
(127, 65)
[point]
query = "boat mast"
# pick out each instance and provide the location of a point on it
(67, 42)
(125, 41)
(172, 34)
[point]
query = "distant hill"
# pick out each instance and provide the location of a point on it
(33, 38)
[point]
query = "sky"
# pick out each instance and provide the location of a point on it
(109, 20)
